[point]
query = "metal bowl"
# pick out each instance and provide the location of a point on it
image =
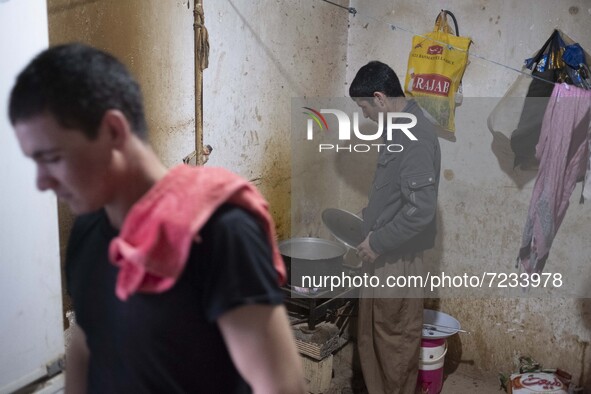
(309, 256)
(438, 325)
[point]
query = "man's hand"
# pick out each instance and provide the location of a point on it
(365, 252)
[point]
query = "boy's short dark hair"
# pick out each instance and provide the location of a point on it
(77, 84)
(375, 76)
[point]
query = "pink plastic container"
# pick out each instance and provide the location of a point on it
(430, 377)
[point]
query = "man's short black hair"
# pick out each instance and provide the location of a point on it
(77, 84)
(374, 77)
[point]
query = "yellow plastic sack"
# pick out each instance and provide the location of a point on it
(436, 65)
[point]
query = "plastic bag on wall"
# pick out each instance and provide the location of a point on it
(436, 65)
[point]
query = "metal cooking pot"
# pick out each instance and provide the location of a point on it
(311, 257)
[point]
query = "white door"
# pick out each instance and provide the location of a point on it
(31, 330)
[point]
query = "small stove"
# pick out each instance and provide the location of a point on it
(314, 306)
(319, 318)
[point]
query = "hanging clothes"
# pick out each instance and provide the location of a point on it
(563, 151)
(587, 185)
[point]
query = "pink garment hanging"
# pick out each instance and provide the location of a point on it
(587, 184)
(156, 237)
(562, 150)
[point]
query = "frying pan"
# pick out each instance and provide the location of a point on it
(345, 226)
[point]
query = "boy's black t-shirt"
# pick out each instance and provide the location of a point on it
(169, 342)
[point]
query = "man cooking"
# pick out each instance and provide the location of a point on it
(399, 224)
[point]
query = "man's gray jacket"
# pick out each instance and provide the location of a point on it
(401, 212)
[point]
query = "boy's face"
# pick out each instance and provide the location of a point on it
(74, 167)
(370, 109)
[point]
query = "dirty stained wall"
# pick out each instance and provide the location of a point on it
(154, 39)
(483, 201)
(263, 53)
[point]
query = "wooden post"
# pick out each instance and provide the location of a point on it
(201, 63)
(317, 374)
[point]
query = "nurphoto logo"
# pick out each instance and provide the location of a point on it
(344, 130)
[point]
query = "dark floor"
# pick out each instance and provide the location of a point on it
(458, 383)
(343, 381)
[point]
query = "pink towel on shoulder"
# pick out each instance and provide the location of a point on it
(156, 237)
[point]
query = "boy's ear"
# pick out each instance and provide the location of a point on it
(379, 98)
(117, 127)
